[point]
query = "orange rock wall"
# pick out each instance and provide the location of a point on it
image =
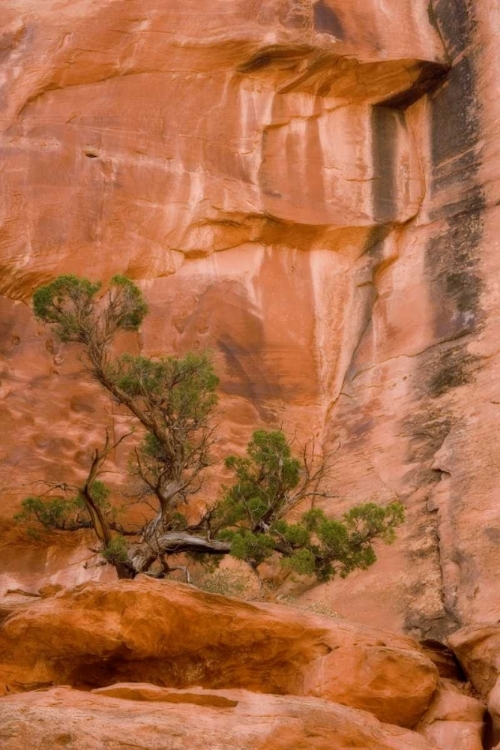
(308, 190)
(420, 407)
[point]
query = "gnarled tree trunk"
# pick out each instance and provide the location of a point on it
(143, 554)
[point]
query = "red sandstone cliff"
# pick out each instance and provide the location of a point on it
(309, 189)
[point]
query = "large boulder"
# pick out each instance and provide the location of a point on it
(142, 716)
(173, 635)
(455, 720)
(478, 650)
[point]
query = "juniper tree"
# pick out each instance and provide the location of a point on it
(270, 482)
(174, 400)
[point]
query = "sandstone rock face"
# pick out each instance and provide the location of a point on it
(420, 394)
(174, 635)
(454, 720)
(478, 649)
(307, 188)
(145, 717)
(458, 735)
(162, 131)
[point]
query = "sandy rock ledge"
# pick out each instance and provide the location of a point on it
(173, 635)
(146, 717)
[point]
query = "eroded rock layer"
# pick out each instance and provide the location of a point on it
(307, 188)
(141, 717)
(173, 635)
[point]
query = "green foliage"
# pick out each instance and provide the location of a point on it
(174, 399)
(50, 299)
(312, 518)
(373, 520)
(265, 477)
(180, 388)
(329, 547)
(296, 535)
(70, 305)
(181, 394)
(133, 306)
(116, 551)
(65, 514)
(53, 513)
(253, 548)
(251, 516)
(302, 561)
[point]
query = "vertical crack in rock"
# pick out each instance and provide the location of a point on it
(455, 286)
(448, 598)
(426, 615)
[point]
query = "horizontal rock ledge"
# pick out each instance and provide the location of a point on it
(174, 635)
(137, 716)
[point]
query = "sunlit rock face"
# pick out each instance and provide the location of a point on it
(306, 189)
(171, 634)
(138, 136)
(198, 720)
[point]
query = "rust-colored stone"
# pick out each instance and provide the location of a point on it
(147, 717)
(225, 157)
(311, 190)
(454, 720)
(174, 635)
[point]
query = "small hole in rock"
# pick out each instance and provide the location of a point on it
(91, 154)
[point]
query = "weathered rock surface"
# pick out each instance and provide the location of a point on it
(174, 635)
(478, 649)
(303, 187)
(454, 720)
(419, 400)
(456, 735)
(225, 155)
(163, 128)
(147, 717)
